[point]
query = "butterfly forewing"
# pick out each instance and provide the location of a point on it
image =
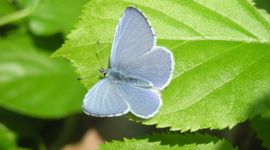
(133, 37)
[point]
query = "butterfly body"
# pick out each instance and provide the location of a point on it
(138, 70)
(120, 77)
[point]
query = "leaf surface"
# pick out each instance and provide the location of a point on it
(262, 127)
(221, 49)
(34, 84)
(5, 8)
(52, 16)
(170, 141)
(7, 138)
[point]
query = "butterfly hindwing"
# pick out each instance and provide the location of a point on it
(155, 66)
(143, 103)
(105, 99)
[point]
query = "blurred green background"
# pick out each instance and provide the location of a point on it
(40, 97)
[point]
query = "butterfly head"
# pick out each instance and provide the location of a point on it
(103, 72)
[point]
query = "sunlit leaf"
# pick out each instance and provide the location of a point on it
(170, 141)
(221, 49)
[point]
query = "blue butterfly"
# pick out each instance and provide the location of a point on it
(138, 70)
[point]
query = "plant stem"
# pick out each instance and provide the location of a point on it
(15, 16)
(20, 14)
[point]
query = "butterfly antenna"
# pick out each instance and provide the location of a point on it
(100, 59)
(99, 54)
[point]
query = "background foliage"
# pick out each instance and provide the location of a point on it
(221, 78)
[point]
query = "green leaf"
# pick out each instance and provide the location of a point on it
(35, 85)
(7, 138)
(262, 127)
(262, 4)
(263, 7)
(221, 49)
(52, 16)
(17, 40)
(5, 7)
(133, 144)
(170, 141)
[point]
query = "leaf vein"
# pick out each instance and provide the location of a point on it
(234, 25)
(225, 83)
